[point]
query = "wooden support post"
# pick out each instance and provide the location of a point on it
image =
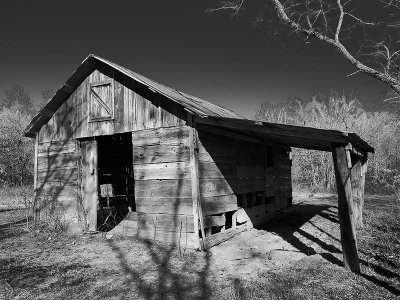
(194, 171)
(234, 218)
(35, 185)
(364, 166)
(345, 208)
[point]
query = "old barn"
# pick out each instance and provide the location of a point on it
(113, 145)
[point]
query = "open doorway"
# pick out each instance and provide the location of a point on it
(115, 180)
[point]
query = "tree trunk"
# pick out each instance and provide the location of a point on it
(345, 209)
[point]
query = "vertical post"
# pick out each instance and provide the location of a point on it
(364, 166)
(89, 184)
(194, 171)
(35, 189)
(234, 219)
(345, 209)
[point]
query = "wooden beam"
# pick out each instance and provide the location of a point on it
(345, 208)
(228, 133)
(210, 221)
(194, 171)
(68, 88)
(35, 171)
(354, 150)
(223, 236)
(46, 112)
(358, 187)
(277, 129)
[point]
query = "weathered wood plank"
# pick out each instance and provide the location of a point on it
(62, 160)
(215, 140)
(345, 210)
(55, 147)
(216, 170)
(224, 132)
(67, 202)
(218, 187)
(281, 130)
(160, 154)
(217, 154)
(163, 205)
(174, 188)
(180, 238)
(194, 174)
(89, 185)
(64, 175)
(219, 204)
(174, 170)
(35, 166)
(220, 237)
(169, 119)
(119, 106)
(210, 221)
(165, 222)
(163, 136)
(57, 189)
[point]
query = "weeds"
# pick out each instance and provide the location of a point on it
(381, 238)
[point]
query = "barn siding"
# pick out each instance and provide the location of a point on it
(135, 108)
(229, 168)
(57, 183)
(163, 185)
(233, 171)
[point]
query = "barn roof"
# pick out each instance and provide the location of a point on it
(197, 106)
(206, 113)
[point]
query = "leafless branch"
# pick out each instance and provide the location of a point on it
(334, 23)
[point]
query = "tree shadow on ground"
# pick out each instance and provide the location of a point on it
(290, 223)
(39, 278)
(168, 274)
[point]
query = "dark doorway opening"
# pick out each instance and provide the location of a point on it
(115, 180)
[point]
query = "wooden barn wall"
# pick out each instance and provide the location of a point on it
(135, 107)
(234, 173)
(163, 195)
(57, 182)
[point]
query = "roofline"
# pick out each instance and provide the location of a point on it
(210, 115)
(89, 64)
(334, 137)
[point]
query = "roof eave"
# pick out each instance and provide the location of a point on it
(291, 135)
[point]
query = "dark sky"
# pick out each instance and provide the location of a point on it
(216, 57)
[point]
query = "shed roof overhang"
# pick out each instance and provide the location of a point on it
(290, 135)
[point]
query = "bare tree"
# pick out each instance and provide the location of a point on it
(370, 42)
(18, 97)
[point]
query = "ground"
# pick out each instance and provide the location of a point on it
(295, 256)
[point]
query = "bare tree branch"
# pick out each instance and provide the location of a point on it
(333, 22)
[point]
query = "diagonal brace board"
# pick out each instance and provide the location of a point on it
(100, 100)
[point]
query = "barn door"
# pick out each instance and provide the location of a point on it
(89, 184)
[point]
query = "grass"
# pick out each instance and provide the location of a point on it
(40, 264)
(382, 219)
(15, 196)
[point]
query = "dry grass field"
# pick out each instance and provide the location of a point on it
(295, 256)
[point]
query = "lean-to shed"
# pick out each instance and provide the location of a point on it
(112, 144)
